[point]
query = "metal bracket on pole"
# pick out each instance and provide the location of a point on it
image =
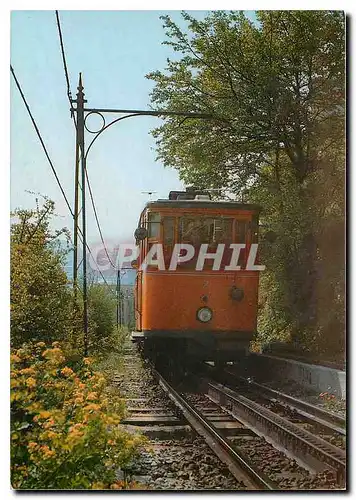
(81, 155)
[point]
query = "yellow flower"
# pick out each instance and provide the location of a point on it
(66, 371)
(40, 344)
(87, 361)
(34, 407)
(92, 395)
(31, 382)
(14, 396)
(119, 485)
(74, 437)
(22, 354)
(27, 371)
(92, 407)
(51, 435)
(50, 423)
(47, 453)
(32, 445)
(54, 355)
(44, 414)
(98, 486)
(76, 427)
(14, 383)
(75, 433)
(15, 359)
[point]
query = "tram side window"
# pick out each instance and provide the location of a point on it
(222, 230)
(241, 231)
(193, 230)
(198, 230)
(241, 237)
(154, 223)
(168, 230)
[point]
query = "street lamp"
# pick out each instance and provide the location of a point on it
(81, 114)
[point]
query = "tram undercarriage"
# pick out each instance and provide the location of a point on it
(221, 348)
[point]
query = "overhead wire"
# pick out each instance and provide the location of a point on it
(39, 135)
(69, 95)
(97, 221)
(40, 139)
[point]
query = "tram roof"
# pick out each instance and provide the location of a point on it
(202, 204)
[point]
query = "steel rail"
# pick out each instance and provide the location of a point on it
(324, 417)
(237, 464)
(310, 449)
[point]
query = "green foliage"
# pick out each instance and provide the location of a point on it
(302, 290)
(41, 302)
(275, 93)
(65, 417)
(267, 86)
(111, 363)
(104, 336)
(65, 430)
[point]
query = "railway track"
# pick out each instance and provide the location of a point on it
(204, 421)
(253, 402)
(317, 415)
(312, 451)
(235, 418)
(325, 418)
(174, 456)
(234, 426)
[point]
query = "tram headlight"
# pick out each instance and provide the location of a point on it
(204, 314)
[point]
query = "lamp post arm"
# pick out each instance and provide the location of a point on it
(188, 114)
(106, 127)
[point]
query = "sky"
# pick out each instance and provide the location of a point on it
(114, 50)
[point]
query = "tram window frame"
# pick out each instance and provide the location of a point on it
(241, 236)
(254, 229)
(210, 228)
(172, 220)
(156, 224)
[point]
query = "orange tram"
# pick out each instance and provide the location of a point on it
(202, 307)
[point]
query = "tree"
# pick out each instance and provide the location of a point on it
(41, 303)
(102, 304)
(270, 88)
(275, 93)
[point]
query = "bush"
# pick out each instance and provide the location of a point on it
(103, 333)
(301, 295)
(65, 430)
(41, 302)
